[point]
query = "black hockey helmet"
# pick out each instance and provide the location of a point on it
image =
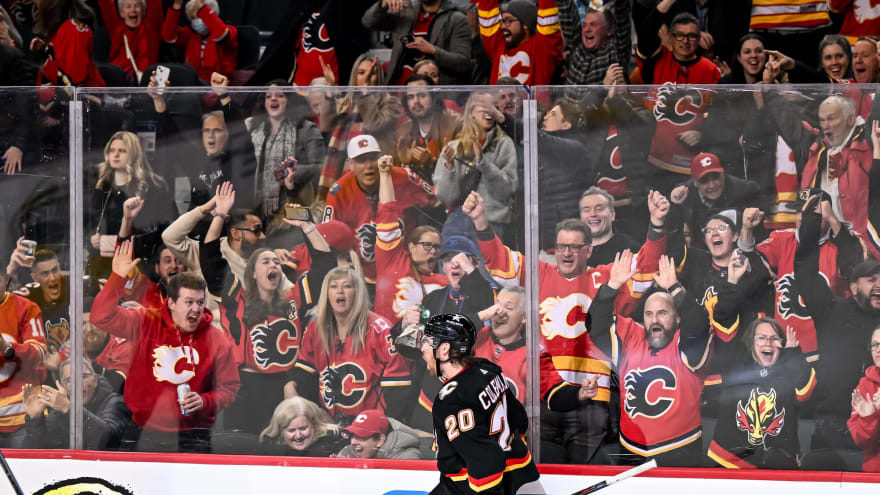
(454, 328)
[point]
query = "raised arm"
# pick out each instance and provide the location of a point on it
(810, 284)
(106, 313)
(601, 319)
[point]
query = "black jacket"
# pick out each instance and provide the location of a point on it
(104, 420)
(236, 163)
(566, 171)
(738, 194)
(843, 327)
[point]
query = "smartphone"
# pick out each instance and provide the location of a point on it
(407, 39)
(162, 74)
(297, 212)
(287, 167)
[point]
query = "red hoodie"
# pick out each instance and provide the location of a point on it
(165, 357)
(866, 431)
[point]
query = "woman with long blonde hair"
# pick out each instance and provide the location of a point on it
(126, 173)
(483, 159)
(347, 360)
(300, 428)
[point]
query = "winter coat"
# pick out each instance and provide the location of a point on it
(298, 137)
(738, 194)
(401, 442)
(811, 155)
(499, 178)
(842, 328)
(104, 420)
(449, 33)
(565, 172)
(866, 431)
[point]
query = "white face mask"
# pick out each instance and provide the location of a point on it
(199, 26)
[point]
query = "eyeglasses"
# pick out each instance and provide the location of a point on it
(875, 346)
(254, 230)
(66, 381)
(429, 246)
(569, 248)
(720, 229)
(507, 21)
(764, 340)
(689, 36)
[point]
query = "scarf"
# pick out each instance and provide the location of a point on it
(271, 150)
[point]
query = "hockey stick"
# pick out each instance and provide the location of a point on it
(10, 476)
(629, 473)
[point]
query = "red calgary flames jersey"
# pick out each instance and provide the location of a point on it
(348, 203)
(398, 286)
(778, 253)
(565, 303)
(352, 382)
(676, 108)
(660, 396)
(21, 323)
(533, 62)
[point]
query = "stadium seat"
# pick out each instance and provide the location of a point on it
(113, 75)
(233, 11)
(265, 14)
(248, 46)
(102, 44)
(181, 75)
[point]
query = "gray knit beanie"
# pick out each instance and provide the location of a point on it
(525, 11)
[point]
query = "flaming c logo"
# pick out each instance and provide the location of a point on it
(759, 417)
(83, 486)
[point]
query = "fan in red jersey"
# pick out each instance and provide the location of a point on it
(347, 361)
(524, 42)
(183, 371)
(503, 340)
(658, 362)
(22, 332)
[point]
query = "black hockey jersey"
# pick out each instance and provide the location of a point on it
(478, 429)
(56, 318)
(758, 413)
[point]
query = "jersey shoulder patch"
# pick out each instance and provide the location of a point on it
(447, 389)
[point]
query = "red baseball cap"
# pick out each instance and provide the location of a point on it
(338, 235)
(369, 423)
(705, 163)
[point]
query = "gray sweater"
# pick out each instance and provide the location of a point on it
(499, 180)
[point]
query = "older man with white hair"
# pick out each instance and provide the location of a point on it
(835, 158)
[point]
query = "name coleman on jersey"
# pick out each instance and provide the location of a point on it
(493, 391)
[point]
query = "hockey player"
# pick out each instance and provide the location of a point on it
(478, 423)
(662, 356)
